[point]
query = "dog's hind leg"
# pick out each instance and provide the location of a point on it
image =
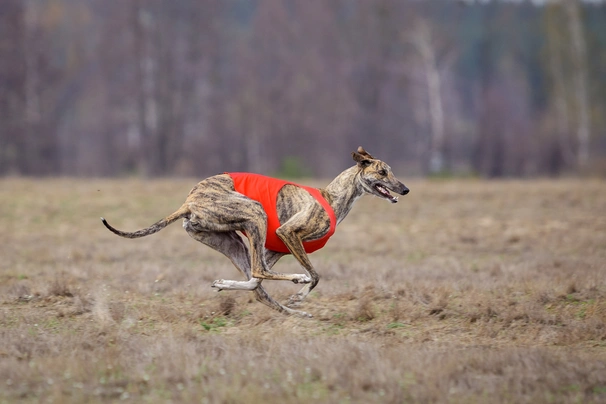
(231, 245)
(261, 295)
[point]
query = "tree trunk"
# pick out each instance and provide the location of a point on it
(143, 21)
(422, 41)
(579, 63)
(555, 60)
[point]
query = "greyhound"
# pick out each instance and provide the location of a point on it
(278, 217)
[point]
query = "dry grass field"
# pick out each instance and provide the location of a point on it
(464, 292)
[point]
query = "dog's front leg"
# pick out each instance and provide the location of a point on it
(256, 229)
(295, 245)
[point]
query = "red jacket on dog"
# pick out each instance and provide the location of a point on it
(265, 191)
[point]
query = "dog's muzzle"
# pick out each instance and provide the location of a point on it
(384, 191)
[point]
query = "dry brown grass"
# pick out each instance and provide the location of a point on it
(465, 291)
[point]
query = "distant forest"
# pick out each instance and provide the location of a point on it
(291, 87)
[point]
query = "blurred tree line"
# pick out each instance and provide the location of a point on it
(196, 87)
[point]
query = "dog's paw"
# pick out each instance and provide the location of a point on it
(301, 314)
(218, 285)
(297, 313)
(301, 278)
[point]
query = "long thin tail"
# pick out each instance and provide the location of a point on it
(154, 228)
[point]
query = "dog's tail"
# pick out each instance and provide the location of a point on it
(154, 228)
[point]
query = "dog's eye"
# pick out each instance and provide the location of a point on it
(382, 172)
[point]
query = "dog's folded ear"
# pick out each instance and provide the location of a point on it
(364, 152)
(362, 160)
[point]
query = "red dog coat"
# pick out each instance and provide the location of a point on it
(265, 190)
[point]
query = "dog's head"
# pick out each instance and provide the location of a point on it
(376, 177)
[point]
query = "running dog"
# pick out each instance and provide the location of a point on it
(278, 218)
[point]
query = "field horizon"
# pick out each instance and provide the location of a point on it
(464, 291)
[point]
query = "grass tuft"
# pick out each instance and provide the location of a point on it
(364, 311)
(60, 287)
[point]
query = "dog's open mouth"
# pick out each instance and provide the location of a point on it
(384, 192)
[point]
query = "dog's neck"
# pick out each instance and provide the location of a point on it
(343, 191)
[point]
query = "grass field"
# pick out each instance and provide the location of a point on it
(464, 292)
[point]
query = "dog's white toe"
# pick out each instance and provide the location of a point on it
(301, 278)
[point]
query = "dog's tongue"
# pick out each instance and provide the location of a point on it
(385, 192)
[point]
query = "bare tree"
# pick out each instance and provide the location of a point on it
(422, 37)
(562, 153)
(579, 62)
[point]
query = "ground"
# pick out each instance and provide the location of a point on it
(465, 291)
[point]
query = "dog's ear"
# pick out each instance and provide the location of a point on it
(362, 161)
(364, 152)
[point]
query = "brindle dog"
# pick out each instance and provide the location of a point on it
(214, 212)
